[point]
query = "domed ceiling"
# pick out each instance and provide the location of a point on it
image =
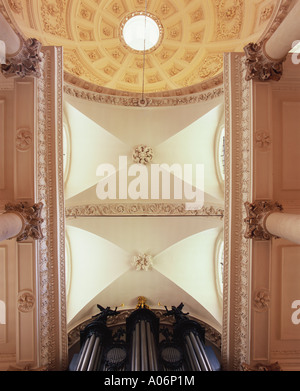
(194, 34)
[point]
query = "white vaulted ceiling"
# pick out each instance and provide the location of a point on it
(102, 248)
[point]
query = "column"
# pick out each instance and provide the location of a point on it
(284, 225)
(266, 220)
(11, 225)
(21, 221)
(265, 58)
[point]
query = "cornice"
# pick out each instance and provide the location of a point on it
(133, 100)
(141, 209)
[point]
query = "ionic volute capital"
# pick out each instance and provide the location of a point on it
(257, 213)
(31, 218)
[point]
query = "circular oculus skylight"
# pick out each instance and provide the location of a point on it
(141, 32)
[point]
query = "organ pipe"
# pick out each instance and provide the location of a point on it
(182, 349)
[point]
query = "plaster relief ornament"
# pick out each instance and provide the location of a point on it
(263, 140)
(142, 154)
(23, 140)
(261, 300)
(26, 301)
(142, 262)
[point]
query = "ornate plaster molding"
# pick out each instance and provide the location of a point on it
(152, 101)
(142, 262)
(259, 65)
(31, 217)
(263, 140)
(261, 300)
(26, 62)
(142, 154)
(257, 212)
(25, 301)
(141, 209)
(24, 139)
(51, 301)
(238, 189)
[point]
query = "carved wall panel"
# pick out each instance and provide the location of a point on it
(7, 304)
(286, 119)
(2, 145)
(275, 263)
(24, 178)
(27, 339)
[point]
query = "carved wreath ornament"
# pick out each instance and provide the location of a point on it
(26, 301)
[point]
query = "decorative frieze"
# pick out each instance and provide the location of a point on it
(26, 62)
(257, 212)
(31, 216)
(141, 209)
(259, 65)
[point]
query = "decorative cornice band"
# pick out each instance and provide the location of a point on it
(134, 101)
(140, 209)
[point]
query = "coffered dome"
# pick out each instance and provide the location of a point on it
(193, 35)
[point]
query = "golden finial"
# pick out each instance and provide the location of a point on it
(142, 302)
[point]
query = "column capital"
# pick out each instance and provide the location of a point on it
(31, 217)
(26, 62)
(257, 212)
(259, 65)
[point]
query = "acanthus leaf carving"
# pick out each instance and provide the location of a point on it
(257, 212)
(259, 66)
(31, 217)
(26, 62)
